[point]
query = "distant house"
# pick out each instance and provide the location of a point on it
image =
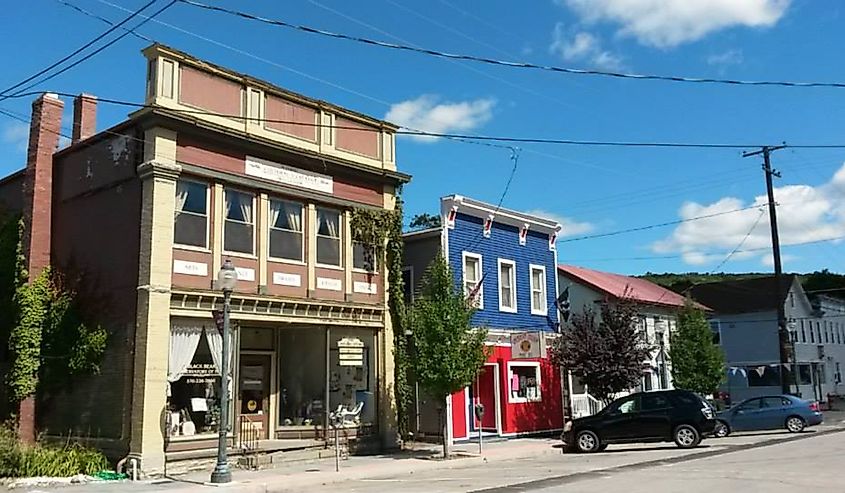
(657, 307)
(744, 321)
(504, 261)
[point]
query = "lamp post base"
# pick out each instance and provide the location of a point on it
(221, 474)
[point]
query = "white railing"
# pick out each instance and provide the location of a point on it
(585, 405)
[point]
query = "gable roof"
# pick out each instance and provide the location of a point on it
(743, 296)
(619, 286)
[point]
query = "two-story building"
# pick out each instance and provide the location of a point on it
(215, 166)
(506, 260)
(744, 321)
(657, 310)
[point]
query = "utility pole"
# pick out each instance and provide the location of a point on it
(785, 344)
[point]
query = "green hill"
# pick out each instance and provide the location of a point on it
(822, 281)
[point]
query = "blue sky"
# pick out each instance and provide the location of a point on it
(591, 190)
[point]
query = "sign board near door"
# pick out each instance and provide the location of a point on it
(525, 345)
(350, 352)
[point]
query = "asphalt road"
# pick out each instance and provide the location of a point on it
(738, 463)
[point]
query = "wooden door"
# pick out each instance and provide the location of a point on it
(254, 392)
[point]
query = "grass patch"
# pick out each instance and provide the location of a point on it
(19, 460)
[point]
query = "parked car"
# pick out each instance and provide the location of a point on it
(768, 413)
(656, 416)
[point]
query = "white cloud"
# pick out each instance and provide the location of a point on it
(582, 46)
(667, 23)
(429, 114)
(730, 57)
(17, 135)
(569, 226)
(805, 214)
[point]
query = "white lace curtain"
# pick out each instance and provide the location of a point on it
(331, 220)
(215, 346)
(243, 201)
(181, 197)
(183, 345)
(292, 212)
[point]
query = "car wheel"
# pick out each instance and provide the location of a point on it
(587, 441)
(795, 424)
(722, 430)
(686, 436)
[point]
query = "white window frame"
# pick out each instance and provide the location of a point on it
(376, 260)
(302, 213)
(253, 223)
(502, 308)
(340, 238)
(208, 191)
(478, 257)
(522, 400)
(544, 310)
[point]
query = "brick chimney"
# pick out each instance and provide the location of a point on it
(84, 117)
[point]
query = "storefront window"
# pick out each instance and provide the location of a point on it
(302, 377)
(194, 377)
(352, 380)
(524, 382)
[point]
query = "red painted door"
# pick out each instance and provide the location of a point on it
(486, 392)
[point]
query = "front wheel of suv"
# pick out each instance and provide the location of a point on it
(687, 436)
(587, 442)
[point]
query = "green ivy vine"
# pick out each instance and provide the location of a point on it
(47, 340)
(382, 231)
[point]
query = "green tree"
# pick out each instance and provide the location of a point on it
(424, 221)
(448, 352)
(697, 364)
(605, 351)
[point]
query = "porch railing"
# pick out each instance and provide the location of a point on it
(585, 405)
(248, 435)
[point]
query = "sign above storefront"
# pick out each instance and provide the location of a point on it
(268, 170)
(350, 351)
(526, 345)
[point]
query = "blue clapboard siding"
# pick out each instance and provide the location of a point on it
(504, 243)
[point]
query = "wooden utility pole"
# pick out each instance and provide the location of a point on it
(785, 344)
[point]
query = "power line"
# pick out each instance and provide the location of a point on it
(103, 19)
(505, 63)
(77, 51)
(744, 239)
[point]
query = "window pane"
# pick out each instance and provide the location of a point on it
(805, 375)
(525, 383)
(654, 401)
(471, 269)
(771, 402)
(285, 215)
(328, 223)
(238, 206)
(506, 285)
(190, 229)
(285, 244)
(328, 251)
(191, 197)
(536, 278)
(364, 257)
(237, 237)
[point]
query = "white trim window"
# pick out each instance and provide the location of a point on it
(190, 221)
(507, 286)
(538, 290)
(472, 278)
(364, 258)
(286, 238)
(524, 382)
(239, 226)
(328, 237)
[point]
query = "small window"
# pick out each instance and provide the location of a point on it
(538, 290)
(812, 334)
(364, 257)
(328, 237)
(805, 374)
(238, 228)
(525, 382)
(191, 216)
(473, 285)
(285, 230)
(653, 402)
(771, 403)
(626, 405)
(803, 333)
(507, 286)
(819, 332)
(751, 405)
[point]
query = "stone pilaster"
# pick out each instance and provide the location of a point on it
(388, 423)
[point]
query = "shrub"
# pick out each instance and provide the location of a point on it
(19, 460)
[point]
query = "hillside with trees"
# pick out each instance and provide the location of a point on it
(822, 281)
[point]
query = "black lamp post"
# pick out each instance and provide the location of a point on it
(226, 280)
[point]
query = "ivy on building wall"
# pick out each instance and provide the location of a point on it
(47, 341)
(382, 231)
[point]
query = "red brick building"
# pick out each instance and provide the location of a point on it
(217, 165)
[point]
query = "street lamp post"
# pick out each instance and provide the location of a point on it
(226, 280)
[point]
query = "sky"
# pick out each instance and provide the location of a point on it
(589, 190)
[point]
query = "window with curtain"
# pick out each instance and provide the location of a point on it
(193, 376)
(473, 286)
(364, 257)
(538, 290)
(191, 214)
(328, 236)
(507, 286)
(285, 230)
(240, 223)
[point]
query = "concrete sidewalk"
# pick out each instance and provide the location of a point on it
(423, 460)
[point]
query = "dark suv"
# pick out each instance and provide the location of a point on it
(659, 416)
